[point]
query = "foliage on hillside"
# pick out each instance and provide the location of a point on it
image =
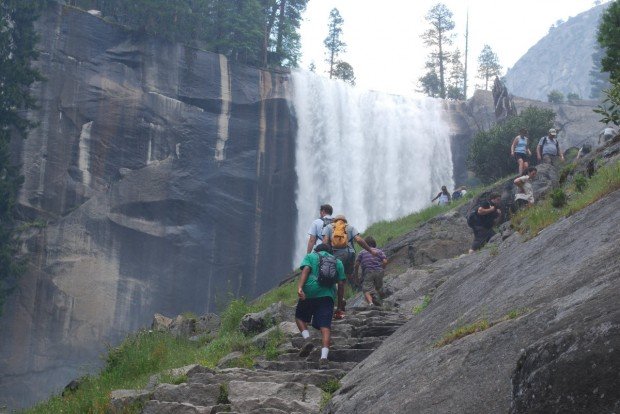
(489, 154)
(17, 51)
(578, 194)
(609, 41)
(255, 32)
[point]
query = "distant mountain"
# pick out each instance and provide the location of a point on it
(562, 60)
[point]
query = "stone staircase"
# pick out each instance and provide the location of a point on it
(289, 384)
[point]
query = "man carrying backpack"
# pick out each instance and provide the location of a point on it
(340, 236)
(316, 228)
(322, 276)
(548, 149)
(482, 220)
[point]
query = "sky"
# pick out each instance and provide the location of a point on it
(383, 37)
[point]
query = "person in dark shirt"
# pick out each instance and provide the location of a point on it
(487, 215)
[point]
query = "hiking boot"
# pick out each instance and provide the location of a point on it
(323, 363)
(307, 347)
(339, 314)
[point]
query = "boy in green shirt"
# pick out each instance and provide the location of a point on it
(316, 302)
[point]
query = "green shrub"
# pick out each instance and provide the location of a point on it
(580, 182)
(555, 96)
(489, 153)
(558, 198)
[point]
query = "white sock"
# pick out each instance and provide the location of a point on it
(305, 334)
(324, 352)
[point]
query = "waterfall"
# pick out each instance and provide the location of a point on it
(371, 155)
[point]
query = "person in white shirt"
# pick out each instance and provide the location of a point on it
(315, 232)
(525, 193)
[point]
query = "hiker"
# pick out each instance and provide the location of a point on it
(372, 272)
(443, 196)
(519, 149)
(340, 236)
(583, 151)
(459, 192)
(321, 281)
(548, 148)
(482, 220)
(606, 134)
(525, 194)
(316, 228)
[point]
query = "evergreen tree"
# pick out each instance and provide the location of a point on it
(488, 65)
(429, 83)
(333, 41)
(438, 38)
(609, 39)
(17, 51)
(344, 71)
(456, 80)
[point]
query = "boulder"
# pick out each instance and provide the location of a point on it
(289, 329)
(121, 401)
(230, 359)
(260, 321)
(161, 322)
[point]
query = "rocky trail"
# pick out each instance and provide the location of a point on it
(288, 384)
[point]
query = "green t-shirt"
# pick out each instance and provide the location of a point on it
(311, 288)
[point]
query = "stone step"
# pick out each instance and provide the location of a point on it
(245, 396)
(374, 331)
(303, 365)
(159, 407)
(342, 355)
(192, 393)
(314, 377)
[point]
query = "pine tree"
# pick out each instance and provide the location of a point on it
(17, 51)
(456, 80)
(488, 65)
(438, 38)
(344, 71)
(333, 41)
(609, 39)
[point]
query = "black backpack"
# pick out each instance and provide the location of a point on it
(328, 271)
(472, 218)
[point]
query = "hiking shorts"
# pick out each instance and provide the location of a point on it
(481, 236)
(319, 311)
(347, 258)
(522, 156)
(373, 281)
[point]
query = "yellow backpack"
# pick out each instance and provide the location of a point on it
(339, 238)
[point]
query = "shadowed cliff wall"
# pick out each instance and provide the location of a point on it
(166, 177)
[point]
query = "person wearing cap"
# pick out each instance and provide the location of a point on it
(346, 254)
(548, 149)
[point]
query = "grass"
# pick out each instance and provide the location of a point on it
(463, 331)
(425, 302)
(384, 231)
(534, 219)
(328, 389)
(128, 366)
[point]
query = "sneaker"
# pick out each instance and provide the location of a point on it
(307, 347)
(339, 314)
(323, 363)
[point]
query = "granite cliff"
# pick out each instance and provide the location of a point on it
(562, 60)
(148, 157)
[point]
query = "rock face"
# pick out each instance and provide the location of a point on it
(552, 345)
(165, 176)
(561, 61)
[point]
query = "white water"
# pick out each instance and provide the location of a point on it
(371, 155)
